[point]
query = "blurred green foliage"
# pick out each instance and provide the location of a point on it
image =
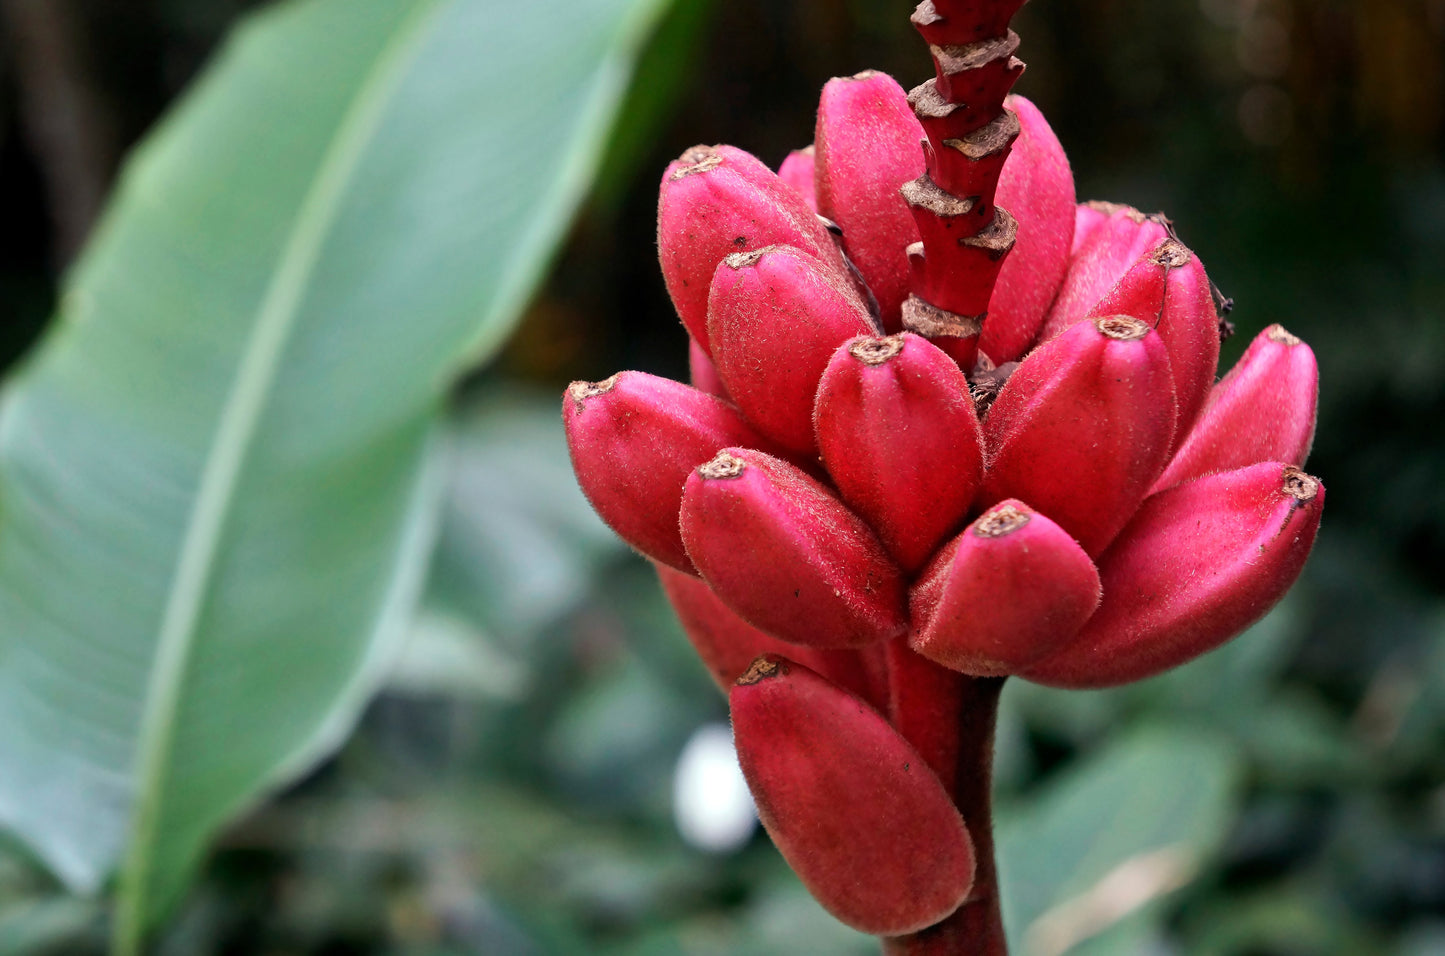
(510, 791)
(217, 469)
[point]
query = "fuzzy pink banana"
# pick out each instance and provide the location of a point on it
(1263, 410)
(866, 145)
(1083, 428)
(850, 804)
(634, 438)
(1038, 476)
(719, 200)
(828, 581)
(1197, 565)
(876, 389)
(1005, 594)
(775, 315)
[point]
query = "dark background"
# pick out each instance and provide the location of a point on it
(1296, 144)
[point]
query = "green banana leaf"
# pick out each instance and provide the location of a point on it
(216, 496)
(1084, 864)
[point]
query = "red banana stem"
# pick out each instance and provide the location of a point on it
(965, 238)
(964, 235)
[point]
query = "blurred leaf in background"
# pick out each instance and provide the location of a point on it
(1102, 844)
(216, 471)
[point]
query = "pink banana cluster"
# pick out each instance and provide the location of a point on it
(870, 490)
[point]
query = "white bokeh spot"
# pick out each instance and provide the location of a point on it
(710, 799)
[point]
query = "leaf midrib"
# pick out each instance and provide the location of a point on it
(275, 319)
